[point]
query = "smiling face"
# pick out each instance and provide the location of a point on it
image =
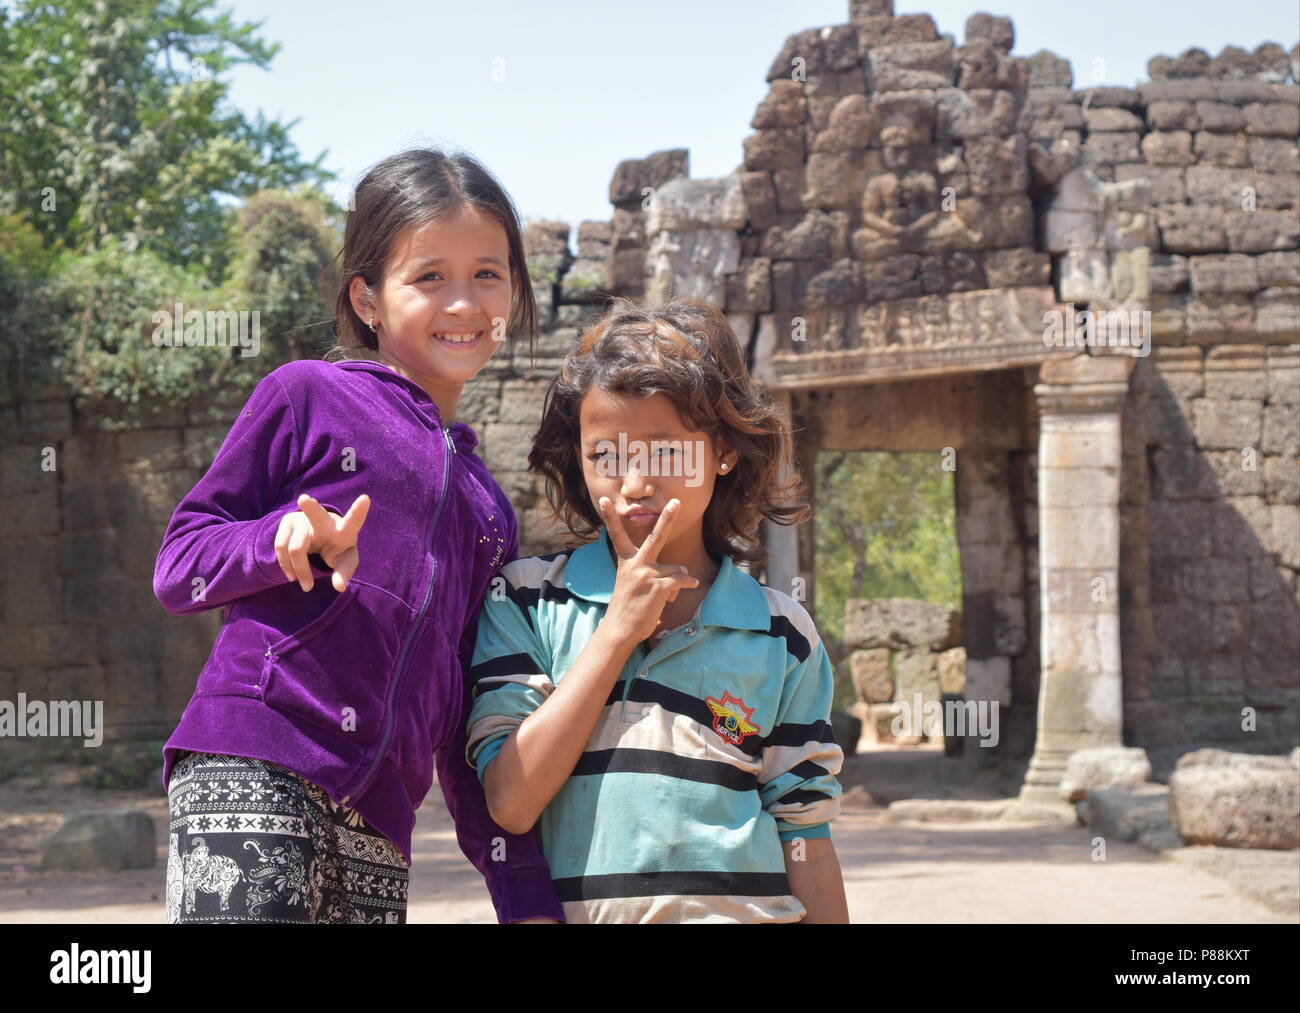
(637, 452)
(442, 281)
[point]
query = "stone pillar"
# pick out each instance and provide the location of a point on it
(993, 588)
(782, 540)
(1080, 699)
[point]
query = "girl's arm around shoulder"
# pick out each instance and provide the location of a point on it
(517, 874)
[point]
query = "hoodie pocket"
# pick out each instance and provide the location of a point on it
(336, 672)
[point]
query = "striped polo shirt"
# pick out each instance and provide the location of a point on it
(714, 746)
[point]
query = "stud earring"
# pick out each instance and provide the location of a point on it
(725, 466)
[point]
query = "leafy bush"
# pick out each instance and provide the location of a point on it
(106, 321)
(281, 267)
(96, 319)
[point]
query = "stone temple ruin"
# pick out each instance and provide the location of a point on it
(1088, 298)
(913, 248)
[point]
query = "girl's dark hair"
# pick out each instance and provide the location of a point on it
(686, 351)
(414, 188)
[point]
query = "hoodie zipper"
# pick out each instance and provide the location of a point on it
(415, 629)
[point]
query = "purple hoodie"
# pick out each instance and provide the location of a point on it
(359, 691)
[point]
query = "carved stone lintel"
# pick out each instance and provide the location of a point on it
(925, 336)
(1087, 398)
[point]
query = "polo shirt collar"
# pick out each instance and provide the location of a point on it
(735, 599)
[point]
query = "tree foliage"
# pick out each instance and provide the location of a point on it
(885, 528)
(96, 316)
(119, 127)
(129, 184)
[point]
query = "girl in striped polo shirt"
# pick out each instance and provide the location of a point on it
(658, 714)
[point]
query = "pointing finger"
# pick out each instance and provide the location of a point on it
(654, 542)
(320, 520)
(617, 533)
(356, 515)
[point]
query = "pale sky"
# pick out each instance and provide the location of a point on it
(584, 85)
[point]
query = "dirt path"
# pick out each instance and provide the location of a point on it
(893, 872)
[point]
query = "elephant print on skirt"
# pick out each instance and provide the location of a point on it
(251, 841)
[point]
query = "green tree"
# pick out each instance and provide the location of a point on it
(128, 184)
(95, 317)
(24, 260)
(118, 126)
(885, 528)
(281, 267)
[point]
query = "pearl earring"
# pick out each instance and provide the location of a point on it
(724, 466)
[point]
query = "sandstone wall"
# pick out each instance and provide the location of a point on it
(903, 651)
(898, 172)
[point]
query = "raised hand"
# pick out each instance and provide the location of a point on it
(312, 528)
(643, 585)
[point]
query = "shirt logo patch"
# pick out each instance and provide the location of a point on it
(731, 718)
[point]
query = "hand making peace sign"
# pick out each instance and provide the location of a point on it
(643, 584)
(314, 529)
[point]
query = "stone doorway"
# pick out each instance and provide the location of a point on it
(982, 427)
(1035, 457)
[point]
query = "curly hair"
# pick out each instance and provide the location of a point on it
(686, 351)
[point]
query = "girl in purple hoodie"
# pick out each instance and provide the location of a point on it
(352, 534)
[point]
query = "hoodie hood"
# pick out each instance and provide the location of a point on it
(462, 434)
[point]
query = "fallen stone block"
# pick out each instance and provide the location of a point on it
(1089, 770)
(1236, 800)
(897, 623)
(1125, 814)
(110, 840)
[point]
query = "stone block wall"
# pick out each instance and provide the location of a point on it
(899, 649)
(1185, 200)
(895, 166)
(1182, 197)
(1211, 547)
(87, 506)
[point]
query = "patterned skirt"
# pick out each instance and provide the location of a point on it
(251, 841)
